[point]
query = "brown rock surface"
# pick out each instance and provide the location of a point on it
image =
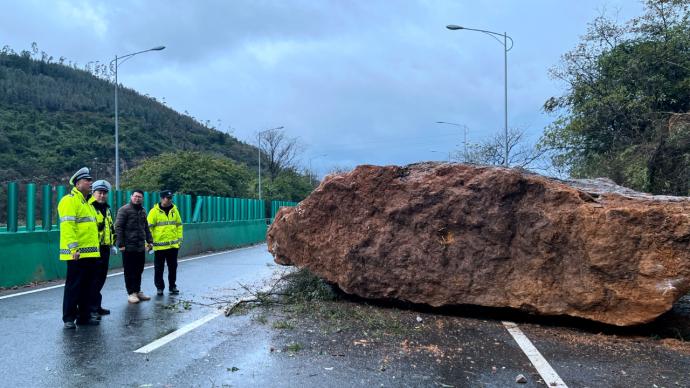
(445, 234)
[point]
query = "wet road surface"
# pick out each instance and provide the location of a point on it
(37, 351)
(367, 345)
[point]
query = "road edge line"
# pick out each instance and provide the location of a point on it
(120, 273)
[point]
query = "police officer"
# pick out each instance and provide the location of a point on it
(106, 238)
(165, 224)
(80, 249)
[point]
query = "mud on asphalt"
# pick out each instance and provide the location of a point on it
(354, 342)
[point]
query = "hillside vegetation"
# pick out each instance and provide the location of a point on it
(56, 118)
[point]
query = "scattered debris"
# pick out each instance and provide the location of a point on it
(520, 379)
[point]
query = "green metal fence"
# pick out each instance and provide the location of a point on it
(276, 205)
(193, 209)
(29, 253)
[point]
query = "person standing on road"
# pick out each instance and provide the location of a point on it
(133, 240)
(166, 228)
(79, 248)
(106, 239)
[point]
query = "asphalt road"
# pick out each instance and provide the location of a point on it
(442, 348)
(37, 352)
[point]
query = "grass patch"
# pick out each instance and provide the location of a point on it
(306, 295)
(261, 318)
(294, 347)
(283, 325)
(179, 306)
(304, 286)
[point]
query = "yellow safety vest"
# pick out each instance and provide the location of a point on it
(166, 229)
(106, 234)
(78, 230)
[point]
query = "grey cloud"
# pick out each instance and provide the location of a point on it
(363, 81)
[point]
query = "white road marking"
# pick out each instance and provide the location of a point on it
(177, 333)
(120, 273)
(545, 370)
(191, 326)
(31, 292)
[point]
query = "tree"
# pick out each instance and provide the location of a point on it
(624, 84)
(190, 173)
(492, 151)
(278, 150)
(289, 185)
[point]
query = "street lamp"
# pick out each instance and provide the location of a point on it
(258, 137)
(505, 71)
(464, 142)
(311, 173)
(117, 140)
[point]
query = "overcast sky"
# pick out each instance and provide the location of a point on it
(356, 81)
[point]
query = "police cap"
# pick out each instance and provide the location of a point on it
(101, 185)
(83, 173)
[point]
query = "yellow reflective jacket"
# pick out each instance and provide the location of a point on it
(166, 229)
(78, 230)
(106, 231)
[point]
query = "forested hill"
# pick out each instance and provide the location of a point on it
(55, 119)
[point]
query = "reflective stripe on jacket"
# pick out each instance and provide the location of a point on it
(106, 230)
(78, 230)
(166, 229)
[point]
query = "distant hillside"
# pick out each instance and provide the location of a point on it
(55, 118)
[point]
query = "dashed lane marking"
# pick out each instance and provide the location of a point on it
(545, 370)
(120, 273)
(177, 333)
(191, 326)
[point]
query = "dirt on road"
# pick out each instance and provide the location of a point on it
(341, 341)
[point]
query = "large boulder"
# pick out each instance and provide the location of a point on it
(447, 234)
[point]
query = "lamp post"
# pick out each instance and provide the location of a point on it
(117, 140)
(464, 141)
(258, 138)
(311, 173)
(505, 72)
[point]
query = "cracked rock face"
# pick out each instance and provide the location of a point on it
(447, 234)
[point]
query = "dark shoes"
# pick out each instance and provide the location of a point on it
(93, 320)
(173, 291)
(70, 326)
(102, 311)
(88, 322)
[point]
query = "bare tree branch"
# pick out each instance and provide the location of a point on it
(279, 151)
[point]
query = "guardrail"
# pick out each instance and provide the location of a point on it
(29, 253)
(193, 209)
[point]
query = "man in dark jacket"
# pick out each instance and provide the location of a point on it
(133, 239)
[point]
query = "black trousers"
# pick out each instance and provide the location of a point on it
(133, 263)
(80, 289)
(168, 256)
(101, 275)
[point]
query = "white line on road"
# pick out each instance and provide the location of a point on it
(120, 273)
(31, 292)
(177, 333)
(545, 370)
(189, 327)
